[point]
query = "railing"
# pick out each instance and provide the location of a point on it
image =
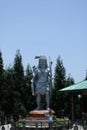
(42, 125)
(75, 127)
(38, 125)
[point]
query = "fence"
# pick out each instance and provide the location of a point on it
(38, 125)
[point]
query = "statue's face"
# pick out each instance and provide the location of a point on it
(42, 63)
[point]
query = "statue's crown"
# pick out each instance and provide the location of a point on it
(40, 57)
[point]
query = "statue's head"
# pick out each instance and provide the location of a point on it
(42, 62)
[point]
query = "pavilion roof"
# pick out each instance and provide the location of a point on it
(79, 87)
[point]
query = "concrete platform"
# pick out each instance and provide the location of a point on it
(39, 115)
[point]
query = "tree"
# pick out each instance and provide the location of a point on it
(29, 99)
(60, 74)
(86, 75)
(18, 71)
(59, 83)
(69, 81)
(8, 91)
(1, 69)
(68, 96)
(1, 84)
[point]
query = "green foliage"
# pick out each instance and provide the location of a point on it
(1, 74)
(19, 84)
(29, 100)
(2, 114)
(86, 75)
(61, 102)
(61, 122)
(1, 84)
(8, 85)
(18, 70)
(60, 74)
(67, 97)
(15, 88)
(1, 66)
(59, 82)
(19, 124)
(69, 81)
(19, 108)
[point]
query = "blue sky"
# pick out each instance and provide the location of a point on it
(49, 27)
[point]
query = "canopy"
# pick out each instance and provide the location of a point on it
(79, 87)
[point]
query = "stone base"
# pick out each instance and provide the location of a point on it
(38, 115)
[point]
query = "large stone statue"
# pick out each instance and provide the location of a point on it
(42, 81)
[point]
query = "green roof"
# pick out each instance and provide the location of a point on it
(80, 86)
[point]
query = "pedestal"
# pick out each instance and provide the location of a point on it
(38, 115)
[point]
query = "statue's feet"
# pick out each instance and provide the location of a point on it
(48, 109)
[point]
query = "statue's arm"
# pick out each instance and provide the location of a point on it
(33, 81)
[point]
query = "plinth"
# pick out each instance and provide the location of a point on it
(39, 115)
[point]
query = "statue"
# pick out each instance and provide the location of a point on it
(42, 81)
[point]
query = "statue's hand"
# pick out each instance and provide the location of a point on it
(33, 66)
